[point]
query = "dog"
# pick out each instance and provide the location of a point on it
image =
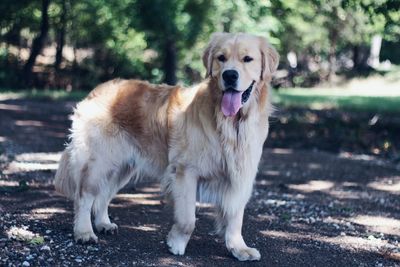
(203, 142)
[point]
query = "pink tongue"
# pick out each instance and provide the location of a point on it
(231, 102)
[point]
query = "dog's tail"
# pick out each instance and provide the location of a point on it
(64, 182)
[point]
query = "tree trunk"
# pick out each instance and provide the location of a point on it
(61, 36)
(333, 37)
(38, 42)
(169, 64)
(356, 57)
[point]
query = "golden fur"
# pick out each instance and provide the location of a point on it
(128, 129)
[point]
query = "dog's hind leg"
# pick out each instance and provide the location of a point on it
(90, 187)
(100, 210)
(83, 231)
(115, 180)
(183, 189)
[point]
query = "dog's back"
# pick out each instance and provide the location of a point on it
(122, 123)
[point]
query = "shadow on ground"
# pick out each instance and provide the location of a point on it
(309, 208)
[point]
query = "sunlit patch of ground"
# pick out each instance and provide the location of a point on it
(313, 185)
(33, 162)
(386, 185)
(379, 224)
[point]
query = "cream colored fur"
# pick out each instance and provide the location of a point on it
(128, 129)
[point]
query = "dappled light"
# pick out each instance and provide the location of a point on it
(50, 210)
(344, 204)
(138, 195)
(327, 189)
(145, 228)
(388, 186)
(282, 151)
(12, 107)
(26, 162)
(29, 123)
(346, 242)
(39, 157)
(352, 156)
(46, 213)
(167, 261)
(15, 167)
(130, 198)
(312, 186)
(379, 224)
(8, 183)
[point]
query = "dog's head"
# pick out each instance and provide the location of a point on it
(239, 62)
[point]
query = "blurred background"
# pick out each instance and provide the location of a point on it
(71, 44)
(337, 87)
(328, 188)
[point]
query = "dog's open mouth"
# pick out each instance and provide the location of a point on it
(233, 100)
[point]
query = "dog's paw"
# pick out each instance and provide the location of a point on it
(107, 228)
(176, 243)
(85, 238)
(246, 254)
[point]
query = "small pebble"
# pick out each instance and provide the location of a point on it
(25, 263)
(45, 247)
(29, 257)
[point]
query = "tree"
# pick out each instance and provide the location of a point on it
(171, 26)
(161, 40)
(38, 42)
(60, 34)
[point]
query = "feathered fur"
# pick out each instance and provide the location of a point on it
(129, 129)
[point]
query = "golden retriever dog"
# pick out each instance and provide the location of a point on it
(203, 142)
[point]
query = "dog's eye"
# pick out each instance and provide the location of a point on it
(247, 59)
(221, 58)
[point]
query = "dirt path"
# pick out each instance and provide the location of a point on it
(309, 208)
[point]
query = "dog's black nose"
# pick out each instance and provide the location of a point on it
(230, 77)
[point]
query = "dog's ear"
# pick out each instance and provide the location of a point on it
(209, 51)
(269, 59)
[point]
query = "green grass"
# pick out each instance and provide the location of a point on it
(296, 97)
(43, 94)
(322, 99)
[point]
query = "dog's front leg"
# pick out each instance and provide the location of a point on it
(183, 190)
(234, 239)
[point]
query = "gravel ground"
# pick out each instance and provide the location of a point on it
(313, 205)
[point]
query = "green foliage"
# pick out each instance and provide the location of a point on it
(147, 38)
(49, 95)
(38, 240)
(311, 99)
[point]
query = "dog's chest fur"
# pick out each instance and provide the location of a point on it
(215, 146)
